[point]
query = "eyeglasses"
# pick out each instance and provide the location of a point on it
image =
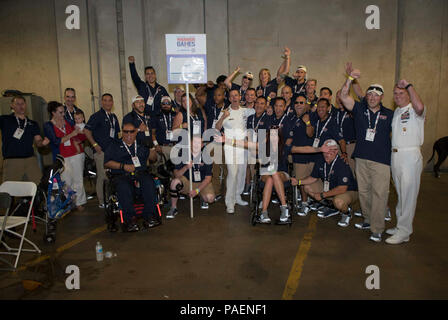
(166, 103)
(300, 102)
(128, 131)
(375, 88)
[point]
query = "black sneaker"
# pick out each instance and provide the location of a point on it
(150, 224)
(130, 227)
(204, 205)
(362, 226)
(112, 227)
(327, 212)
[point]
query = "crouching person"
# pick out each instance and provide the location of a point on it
(332, 179)
(127, 160)
(201, 175)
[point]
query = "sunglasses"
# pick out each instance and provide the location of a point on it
(166, 103)
(300, 102)
(375, 88)
(128, 131)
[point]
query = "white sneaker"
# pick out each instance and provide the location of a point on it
(241, 202)
(391, 231)
(397, 239)
(230, 210)
(260, 206)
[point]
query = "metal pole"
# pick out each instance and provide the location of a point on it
(189, 147)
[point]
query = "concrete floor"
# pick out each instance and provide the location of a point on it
(221, 256)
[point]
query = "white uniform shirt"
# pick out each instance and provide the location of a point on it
(235, 125)
(407, 127)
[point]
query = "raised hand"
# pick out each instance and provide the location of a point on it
(287, 52)
(131, 59)
(348, 68)
(237, 69)
(355, 74)
(402, 84)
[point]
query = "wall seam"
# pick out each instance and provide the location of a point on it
(145, 42)
(440, 65)
(121, 58)
(228, 40)
(57, 50)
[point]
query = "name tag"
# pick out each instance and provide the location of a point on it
(197, 176)
(370, 135)
(147, 133)
(316, 143)
(67, 143)
(214, 124)
(150, 101)
(112, 132)
(326, 186)
(196, 127)
(254, 137)
(169, 135)
(18, 133)
(136, 162)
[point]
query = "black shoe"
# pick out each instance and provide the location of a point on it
(112, 227)
(150, 224)
(131, 227)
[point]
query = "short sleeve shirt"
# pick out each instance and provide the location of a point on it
(18, 148)
(408, 128)
(100, 124)
(117, 151)
(340, 174)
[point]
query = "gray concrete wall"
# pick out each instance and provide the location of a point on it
(39, 54)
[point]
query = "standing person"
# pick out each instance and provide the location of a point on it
(373, 125)
(150, 90)
(310, 93)
(101, 129)
(407, 138)
(63, 138)
(140, 120)
(18, 136)
(234, 120)
(246, 83)
(250, 96)
(197, 121)
(267, 87)
(69, 105)
(177, 102)
(298, 82)
(344, 119)
(162, 129)
(286, 94)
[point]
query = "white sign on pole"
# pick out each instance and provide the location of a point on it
(186, 58)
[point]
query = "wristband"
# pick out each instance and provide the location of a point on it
(351, 78)
(410, 84)
(198, 190)
(233, 142)
(300, 182)
(155, 143)
(94, 145)
(308, 123)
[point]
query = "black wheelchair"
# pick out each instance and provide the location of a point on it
(256, 196)
(113, 210)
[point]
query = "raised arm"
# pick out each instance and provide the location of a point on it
(346, 99)
(134, 75)
(229, 79)
(283, 70)
(417, 103)
(355, 83)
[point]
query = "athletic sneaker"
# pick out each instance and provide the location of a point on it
(327, 212)
(246, 191)
(284, 216)
(204, 205)
(230, 210)
(388, 216)
(345, 220)
(275, 200)
(101, 206)
(172, 213)
(375, 237)
(264, 217)
(303, 211)
(391, 231)
(358, 213)
(397, 239)
(314, 205)
(362, 226)
(241, 202)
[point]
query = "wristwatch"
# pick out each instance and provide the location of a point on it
(410, 84)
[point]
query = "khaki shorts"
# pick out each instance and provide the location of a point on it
(186, 189)
(341, 201)
(22, 169)
(303, 170)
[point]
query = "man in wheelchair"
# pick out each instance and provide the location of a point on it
(332, 179)
(127, 160)
(201, 175)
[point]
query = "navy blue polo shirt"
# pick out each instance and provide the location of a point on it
(100, 124)
(272, 86)
(146, 91)
(211, 93)
(290, 109)
(296, 87)
(212, 112)
(340, 175)
(136, 119)
(17, 148)
(242, 92)
(197, 117)
(257, 123)
(378, 150)
(161, 123)
(331, 130)
(300, 139)
(116, 151)
(70, 116)
(204, 169)
(312, 103)
(346, 125)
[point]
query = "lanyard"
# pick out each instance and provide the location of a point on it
(242, 93)
(167, 124)
(258, 123)
(283, 118)
(69, 113)
(301, 88)
(18, 123)
(127, 149)
(143, 120)
(112, 123)
(376, 121)
(149, 90)
(331, 168)
(323, 128)
(215, 108)
(342, 122)
(195, 118)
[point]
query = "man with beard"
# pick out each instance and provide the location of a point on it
(298, 82)
(162, 129)
(246, 83)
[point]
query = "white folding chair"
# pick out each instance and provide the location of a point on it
(17, 189)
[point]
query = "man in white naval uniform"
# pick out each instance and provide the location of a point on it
(407, 161)
(233, 120)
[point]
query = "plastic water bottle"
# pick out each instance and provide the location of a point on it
(99, 252)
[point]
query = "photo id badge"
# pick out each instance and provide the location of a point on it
(370, 135)
(150, 101)
(136, 162)
(197, 176)
(169, 135)
(18, 133)
(147, 133)
(316, 143)
(326, 186)
(112, 132)
(67, 143)
(196, 127)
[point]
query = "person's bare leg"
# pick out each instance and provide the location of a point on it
(279, 187)
(267, 191)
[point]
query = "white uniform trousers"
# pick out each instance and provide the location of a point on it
(236, 161)
(406, 168)
(73, 176)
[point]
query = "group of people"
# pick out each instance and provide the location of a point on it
(340, 153)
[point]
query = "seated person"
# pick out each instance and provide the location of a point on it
(201, 175)
(127, 160)
(332, 179)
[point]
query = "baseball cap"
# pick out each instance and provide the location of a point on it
(136, 98)
(376, 88)
(249, 75)
(301, 68)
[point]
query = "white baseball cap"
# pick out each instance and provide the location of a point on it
(136, 98)
(301, 68)
(376, 88)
